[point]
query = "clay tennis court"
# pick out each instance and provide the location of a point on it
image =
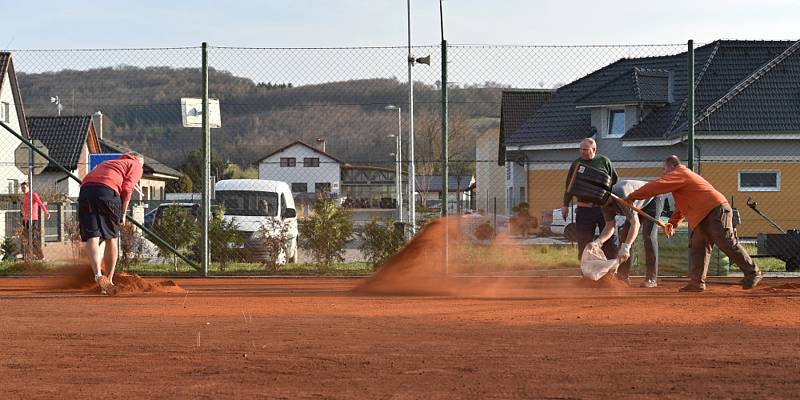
(316, 338)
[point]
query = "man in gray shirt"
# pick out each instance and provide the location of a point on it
(653, 207)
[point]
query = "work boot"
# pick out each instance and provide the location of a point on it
(649, 283)
(751, 281)
(693, 288)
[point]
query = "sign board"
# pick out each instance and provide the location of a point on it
(192, 113)
(97, 159)
(22, 160)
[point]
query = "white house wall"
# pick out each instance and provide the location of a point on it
(328, 171)
(56, 183)
(489, 177)
(9, 143)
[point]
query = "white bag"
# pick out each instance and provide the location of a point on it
(594, 264)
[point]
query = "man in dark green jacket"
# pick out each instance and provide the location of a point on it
(589, 216)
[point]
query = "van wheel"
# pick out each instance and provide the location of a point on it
(569, 232)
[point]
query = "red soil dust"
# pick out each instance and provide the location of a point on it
(80, 277)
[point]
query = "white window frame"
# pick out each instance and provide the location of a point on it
(611, 112)
(777, 172)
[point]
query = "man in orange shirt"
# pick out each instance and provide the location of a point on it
(710, 218)
(102, 204)
(30, 222)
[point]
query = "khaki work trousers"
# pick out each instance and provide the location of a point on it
(717, 228)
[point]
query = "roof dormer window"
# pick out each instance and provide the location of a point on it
(616, 123)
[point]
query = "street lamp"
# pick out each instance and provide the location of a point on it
(399, 160)
(412, 173)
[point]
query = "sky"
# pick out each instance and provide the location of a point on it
(340, 23)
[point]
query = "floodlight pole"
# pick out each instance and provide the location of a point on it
(445, 171)
(206, 166)
(690, 108)
(412, 174)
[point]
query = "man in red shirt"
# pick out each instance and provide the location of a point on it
(102, 204)
(710, 218)
(30, 221)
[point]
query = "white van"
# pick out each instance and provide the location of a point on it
(252, 203)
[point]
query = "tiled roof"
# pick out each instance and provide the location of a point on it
(151, 166)
(63, 136)
(300, 142)
(515, 107)
(4, 58)
(635, 86)
(719, 68)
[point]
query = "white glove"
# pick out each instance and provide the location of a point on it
(624, 252)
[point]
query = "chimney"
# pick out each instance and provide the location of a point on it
(97, 120)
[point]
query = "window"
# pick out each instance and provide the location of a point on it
(288, 161)
(13, 186)
(311, 162)
(322, 187)
(247, 203)
(299, 187)
(616, 123)
(759, 181)
(5, 112)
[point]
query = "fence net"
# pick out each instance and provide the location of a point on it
(313, 143)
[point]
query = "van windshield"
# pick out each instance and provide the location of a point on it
(243, 202)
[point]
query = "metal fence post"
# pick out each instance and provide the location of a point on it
(206, 165)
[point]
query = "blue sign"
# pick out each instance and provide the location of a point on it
(97, 159)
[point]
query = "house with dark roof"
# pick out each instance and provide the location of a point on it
(13, 115)
(69, 141)
(305, 168)
(747, 125)
(492, 194)
(155, 174)
(459, 191)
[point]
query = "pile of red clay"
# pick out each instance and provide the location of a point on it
(80, 278)
(419, 269)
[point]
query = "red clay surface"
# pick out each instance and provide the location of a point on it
(315, 338)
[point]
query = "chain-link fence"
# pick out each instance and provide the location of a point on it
(313, 143)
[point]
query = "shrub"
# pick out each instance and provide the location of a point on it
(132, 245)
(484, 231)
(9, 249)
(178, 227)
(273, 241)
(325, 233)
(381, 241)
(224, 240)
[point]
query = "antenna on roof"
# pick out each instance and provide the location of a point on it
(55, 100)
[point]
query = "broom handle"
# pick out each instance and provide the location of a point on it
(640, 212)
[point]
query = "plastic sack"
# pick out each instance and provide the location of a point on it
(594, 264)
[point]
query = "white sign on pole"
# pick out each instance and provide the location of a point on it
(192, 113)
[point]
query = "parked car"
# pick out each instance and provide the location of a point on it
(554, 224)
(255, 203)
(153, 218)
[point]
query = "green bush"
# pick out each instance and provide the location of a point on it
(224, 240)
(178, 227)
(325, 233)
(9, 249)
(381, 241)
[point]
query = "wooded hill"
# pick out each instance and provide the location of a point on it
(142, 109)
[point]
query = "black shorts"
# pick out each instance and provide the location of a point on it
(99, 212)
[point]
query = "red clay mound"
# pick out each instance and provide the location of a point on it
(419, 268)
(79, 277)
